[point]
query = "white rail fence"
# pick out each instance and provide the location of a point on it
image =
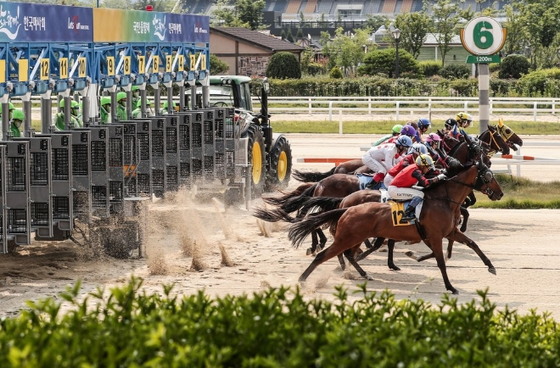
(411, 105)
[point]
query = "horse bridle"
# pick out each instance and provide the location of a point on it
(483, 178)
(493, 140)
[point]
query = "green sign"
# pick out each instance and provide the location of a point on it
(483, 59)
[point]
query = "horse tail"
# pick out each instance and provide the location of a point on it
(300, 230)
(311, 176)
(273, 215)
(278, 201)
(323, 203)
(294, 203)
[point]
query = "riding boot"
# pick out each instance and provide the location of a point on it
(376, 179)
(409, 212)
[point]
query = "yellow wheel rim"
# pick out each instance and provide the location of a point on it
(282, 166)
(257, 163)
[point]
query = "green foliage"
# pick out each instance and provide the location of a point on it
(283, 34)
(514, 66)
(315, 69)
(336, 73)
(274, 328)
(245, 13)
(344, 50)
(429, 68)
(299, 34)
(414, 31)
(217, 66)
(445, 17)
(540, 83)
(501, 87)
(455, 71)
(290, 36)
(382, 62)
(465, 87)
(283, 65)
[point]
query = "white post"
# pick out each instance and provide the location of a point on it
(397, 108)
(535, 112)
(330, 111)
(369, 105)
(310, 107)
(340, 122)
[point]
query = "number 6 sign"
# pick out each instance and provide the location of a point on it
(483, 36)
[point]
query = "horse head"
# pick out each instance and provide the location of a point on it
(447, 141)
(512, 139)
(495, 141)
(486, 182)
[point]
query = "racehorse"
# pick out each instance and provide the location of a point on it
(347, 167)
(512, 139)
(374, 219)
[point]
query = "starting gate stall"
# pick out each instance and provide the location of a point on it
(96, 175)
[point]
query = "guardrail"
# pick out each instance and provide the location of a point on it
(410, 105)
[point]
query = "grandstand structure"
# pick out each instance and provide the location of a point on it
(331, 10)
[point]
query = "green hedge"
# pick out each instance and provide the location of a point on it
(274, 328)
(541, 83)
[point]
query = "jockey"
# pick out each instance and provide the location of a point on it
(390, 138)
(432, 143)
(416, 150)
(464, 120)
(75, 122)
(452, 128)
(381, 158)
(121, 106)
(423, 126)
(401, 186)
(409, 131)
(17, 119)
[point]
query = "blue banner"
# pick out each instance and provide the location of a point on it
(49, 23)
(198, 28)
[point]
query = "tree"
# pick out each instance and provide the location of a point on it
(414, 31)
(444, 23)
(383, 62)
(514, 66)
(515, 40)
(373, 22)
(217, 66)
(244, 13)
(283, 65)
(290, 36)
(346, 50)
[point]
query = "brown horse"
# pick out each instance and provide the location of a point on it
(347, 167)
(512, 139)
(373, 219)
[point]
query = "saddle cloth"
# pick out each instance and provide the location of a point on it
(366, 179)
(398, 207)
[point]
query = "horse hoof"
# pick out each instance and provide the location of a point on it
(368, 277)
(411, 255)
(308, 252)
(394, 268)
(454, 291)
(492, 270)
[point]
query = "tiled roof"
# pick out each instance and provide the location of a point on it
(257, 38)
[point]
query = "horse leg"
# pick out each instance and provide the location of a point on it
(390, 262)
(462, 238)
(465, 214)
(350, 257)
(378, 243)
(335, 249)
(314, 243)
(437, 247)
(322, 238)
(431, 255)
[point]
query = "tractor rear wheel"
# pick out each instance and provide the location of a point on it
(257, 157)
(278, 175)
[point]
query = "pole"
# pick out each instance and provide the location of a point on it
(483, 96)
(397, 58)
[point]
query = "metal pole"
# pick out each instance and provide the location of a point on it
(397, 59)
(46, 112)
(27, 131)
(483, 96)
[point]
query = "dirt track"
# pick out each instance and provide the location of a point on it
(517, 241)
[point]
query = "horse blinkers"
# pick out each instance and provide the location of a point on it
(485, 180)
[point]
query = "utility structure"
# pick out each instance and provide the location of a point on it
(88, 181)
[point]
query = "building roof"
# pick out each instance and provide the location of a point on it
(257, 38)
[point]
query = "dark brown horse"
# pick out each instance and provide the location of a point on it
(373, 219)
(347, 167)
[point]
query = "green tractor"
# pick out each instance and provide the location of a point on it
(269, 153)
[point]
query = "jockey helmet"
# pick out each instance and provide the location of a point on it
(418, 148)
(424, 161)
(450, 123)
(397, 129)
(408, 130)
(404, 141)
(463, 117)
(433, 137)
(424, 123)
